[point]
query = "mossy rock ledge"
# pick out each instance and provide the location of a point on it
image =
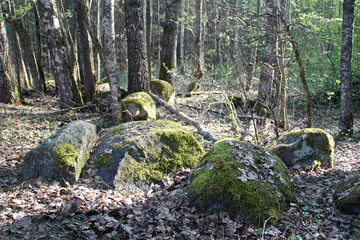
(138, 106)
(163, 90)
(347, 194)
(246, 181)
(63, 155)
(135, 154)
(306, 146)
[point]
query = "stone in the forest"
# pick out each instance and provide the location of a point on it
(135, 154)
(247, 181)
(163, 90)
(306, 146)
(63, 155)
(138, 106)
(347, 194)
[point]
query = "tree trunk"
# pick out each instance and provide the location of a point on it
(181, 59)
(148, 33)
(85, 52)
(169, 40)
(346, 116)
(8, 88)
(199, 50)
(110, 53)
(62, 66)
(138, 79)
(267, 68)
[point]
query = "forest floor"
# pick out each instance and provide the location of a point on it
(90, 209)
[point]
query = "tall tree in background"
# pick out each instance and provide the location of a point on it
(110, 53)
(148, 33)
(85, 52)
(267, 71)
(199, 48)
(169, 40)
(62, 66)
(8, 88)
(138, 75)
(346, 115)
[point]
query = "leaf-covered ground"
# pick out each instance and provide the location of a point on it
(92, 210)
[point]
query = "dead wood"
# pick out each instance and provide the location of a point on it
(185, 118)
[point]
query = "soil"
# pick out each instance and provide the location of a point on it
(90, 209)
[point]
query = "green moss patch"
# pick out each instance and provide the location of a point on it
(138, 106)
(244, 180)
(164, 90)
(66, 156)
(145, 151)
(347, 195)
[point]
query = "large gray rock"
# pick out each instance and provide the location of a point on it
(163, 90)
(138, 106)
(347, 194)
(62, 155)
(135, 154)
(245, 180)
(306, 146)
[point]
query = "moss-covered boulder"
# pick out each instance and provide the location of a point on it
(163, 90)
(62, 155)
(247, 181)
(306, 146)
(135, 154)
(138, 106)
(347, 194)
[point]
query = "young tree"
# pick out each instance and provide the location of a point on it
(138, 75)
(110, 54)
(62, 66)
(8, 88)
(346, 115)
(199, 49)
(169, 40)
(148, 33)
(85, 52)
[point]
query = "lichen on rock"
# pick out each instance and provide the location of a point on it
(63, 155)
(136, 154)
(138, 106)
(306, 146)
(245, 180)
(164, 90)
(347, 194)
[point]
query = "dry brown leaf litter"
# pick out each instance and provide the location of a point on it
(92, 210)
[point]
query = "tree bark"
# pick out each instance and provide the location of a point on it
(62, 66)
(199, 50)
(85, 52)
(346, 116)
(267, 68)
(8, 88)
(110, 53)
(169, 41)
(138, 75)
(148, 33)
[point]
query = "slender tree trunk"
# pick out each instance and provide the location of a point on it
(123, 42)
(85, 52)
(62, 66)
(148, 33)
(110, 53)
(181, 59)
(98, 36)
(169, 41)
(267, 68)
(8, 88)
(199, 50)
(346, 116)
(138, 79)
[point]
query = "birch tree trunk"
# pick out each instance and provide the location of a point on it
(85, 52)
(347, 116)
(62, 68)
(138, 79)
(169, 40)
(110, 53)
(8, 88)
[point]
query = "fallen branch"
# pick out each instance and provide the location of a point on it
(185, 118)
